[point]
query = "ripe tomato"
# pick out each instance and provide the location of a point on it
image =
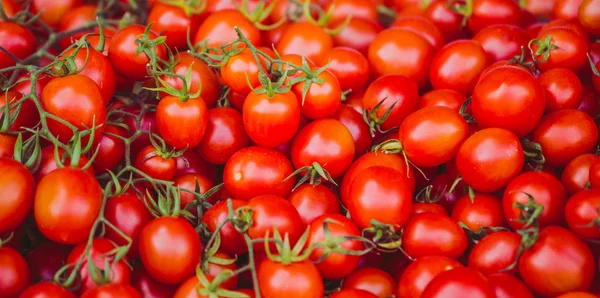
(359, 130)
(422, 26)
(15, 272)
(189, 182)
(564, 135)
(442, 97)
(432, 136)
(77, 100)
(224, 135)
(349, 66)
(429, 234)
(358, 34)
(232, 242)
(312, 201)
(272, 212)
(327, 142)
(156, 164)
(7, 145)
(218, 29)
(305, 39)
(594, 174)
(255, 171)
(170, 249)
(355, 293)
(574, 272)
(398, 93)
(489, 159)
(48, 163)
(562, 88)
(17, 191)
(495, 253)
(588, 16)
(581, 213)
(508, 286)
(148, 287)
(457, 66)
(46, 259)
(482, 211)
(295, 280)
(373, 280)
(16, 39)
(113, 291)
(570, 52)
(502, 42)
(52, 12)
(111, 150)
(46, 289)
(322, 99)
(129, 214)
(491, 12)
(123, 55)
(181, 123)
(202, 77)
(459, 282)
(74, 19)
(576, 174)
(173, 22)
(241, 72)
(271, 122)
(65, 196)
(421, 272)
(565, 9)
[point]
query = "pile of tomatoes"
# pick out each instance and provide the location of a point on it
(298, 148)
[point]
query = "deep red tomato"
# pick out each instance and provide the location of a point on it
(15, 272)
(442, 97)
(418, 208)
(398, 93)
(224, 135)
(564, 135)
(432, 136)
(272, 212)
(489, 159)
(349, 66)
(16, 39)
(77, 100)
(459, 282)
(576, 174)
(62, 197)
(218, 29)
(75, 19)
(123, 56)
(355, 123)
(582, 213)
(495, 253)
(373, 280)
(232, 241)
(181, 123)
(312, 201)
(594, 174)
(191, 163)
(52, 12)
(241, 72)
(358, 34)
(118, 272)
(508, 286)
(170, 249)
(129, 214)
(485, 13)
(46, 289)
(569, 49)
(482, 211)
(502, 42)
(148, 287)
(16, 190)
(156, 164)
(322, 99)
(113, 291)
(46, 259)
(562, 88)
(421, 272)
(306, 39)
(578, 294)
(255, 171)
(457, 66)
(356, 8)
(588, 16)
(443, 17)
(574, 272)
(422, 26)
(429, 234)
(202, 78)
(271, 122)
(111, 149)
(401, 52)
(173, 22)
(295, 280)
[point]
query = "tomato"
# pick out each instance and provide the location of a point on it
(189, 182)
(457, 66)
(113, 291)
(582, 213)
(588, 16)
(483, 170)
(148, 287)
(327, 142)
(419, 274)
(460, 281)
(17, 191)
(563, 89)
(191, 163)
(46, 259)
(428, 234)
(218, 29)
(111, 149)
(173, 22)
(442, 97)
(359, 130)
(75, 19)
(181, 123)
(312, 201)
(355, 293)
(418, 208)
(401, 52)
(77, 100)
(299, 279)
(564, 135)
(272, 212)
(502, 42)
(129, 214)
(577, 295)
(358, 34)
(482, 211)
(224, 135)
(232, 241)
(65, 196)
(46, 289)
(15, 272)
(445, 19)
(52, 12)
(422, 26)
(156, 164)
(255, 171)
(119, 272)
(565, 9)
(398, 93)
(593, 174)
(271, 122)
(202, 78)
(572, 54)
(305, 39)
(349, 66)
(7, 145)
(508, 286)
(485, 13)
(373, 280)
(495, 253)
(241, 72)
(170, 249)
(576, 173)
(574, 272)
(123, 55)
(16, 39)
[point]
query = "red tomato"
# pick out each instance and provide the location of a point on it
(508, 286)
(224, 135)
(189, 182)
(271, 122)
(272, 212)
(582, 213)
(482, 211)
(173, 22)
(52, 12)
(588, 16)
(429, 234)
(46, 289)
(358, 34)
(398, 93)
(421, 272)
(16, 190)
(17, 40)
(241, 72)
(355, 123)
(565, 9)
(485, 13)
(577, 173)
(459, 282)
(129, 214)
(156, 164)
(113, 291)
(75, 19)
(593, 174)
(349, 66)
(322, 98)
(422, 26)
(442, 97)
(355, 293)
(111, 150)
(502, 42)
(218, 29)
(418, 208)
(232, 241)
(202, 78)
(444, 18)
(562, 88)
(295, 280)
(569, 49)
(15, 272)
(373, 280)
(46, 259)
(7, 145)
(305, 39)
(48, 163)
(148, 287)
(495, 253)
(181, 123)
(312, 201)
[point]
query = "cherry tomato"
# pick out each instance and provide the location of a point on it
(272, 212)
(202, 78)
(565, 9)
(148, 287)
(588, 16)
(46, 289)
(129, 214)
(299, 279)
(232, 241)
(421, 272)
(460, 281)
(422, 26)
(359, 130)
(190, 182)
(218, 29)
(349, 66)
(562, 88)
(17, 191)
(355, 293)
(181, 123)
(442, 97)
(156, 164)
(482, 211)
(15, 272)
(241, 72)
(496, 253)
(46, 259)
(582, 213)
(484, 13)
(576, 174)
(508, 286)
(572, 54)
(111, 149)
(16, 39)
(398, 93)
(173, 22)
(305, 39)
(75, 19)
(48, 162)
(52, 12)
(373, 280)
(313, 201)
(113, 291)
(428, 234)
(271, 122)
(358, 34)
(502, 42)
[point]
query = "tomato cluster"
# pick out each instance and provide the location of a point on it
(299, 148)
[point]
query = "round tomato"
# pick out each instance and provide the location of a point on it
(156, 164)
(202, 78)
(568, 49)
(577, 173)
(349, 66)
(224, 135)
(442, 97)
(484, 13)
(582, 213)
(312, 201)
(16, 190)
(218, 29)
(241, 72)
(148, 287)
(17, 40)
(398, 93)
(295, 280)
(459, 282)
(15, 272)
(129, 214)
(174, 22)
(271, 122)
(113, 291)
(563, 89)
(588, 15)
(481, 211)
(305, 39)
(358, 34)
(421, 272)
(232, 242)
(181, 123)
(430, 233)
(508, 286)
(355, 123)
(372, 280)
(495, 253)
(111, 149)
(46, 289)
(423, 27)
(271, 212)
(322, 98)
(502, 42)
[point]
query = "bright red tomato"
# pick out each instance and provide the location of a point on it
(271, 122)
(16, 39)
(421, 272)
(156, 164)
(459, 282)
(232, 241)
(562, 88)
(502, 42)
(202, 78)
(355, 123)
(113, 291)
(46, 289)
(398, 93)
(322, 98)
(495, 253)
(482, 211)
(174, 22)
(577, 173)
(15, 272)
(582, 213)
(295, 280)
(349, 66)
(17, 191)
(129, 214)
(569, 49)
(429, 234)
(272, 212)
(181, 123)
(218, 29)
(306, 39)
(312, 201)
(373, 280)
(508, 286)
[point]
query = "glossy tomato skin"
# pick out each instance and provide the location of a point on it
(270, 212)
(487, 172)
(545, 189)
(508, 286)
(232, 241)
(565, 9)
(98, 68)
(300, 279)
(129, 214)
(270, 122)
(15, 272)
(482, 211)
(356, 293)
(181, 123)
(321, 100)
(398, 93)
(190, 182)
(111, 149)
(562, 88)
(373, 280)
(564, 135)
(17, 189)
(421, 272)
(75, 19)
(306, 39)
(495, 253)
(46, 289)
(491, 12)
(359, 34)
(313, 201)
(582, 210)
(428, 234)
(255, 171)
(432, 136)
(457, 66)
(169, 249)
(113, 291)
(574, 272)
(148, 287)
(368, 187)
(349, 66)
(442, 97)
(588, 16)
(577, 173)
(154, 165)
(459, 282)
(202, 78)
(355, 123)
(51, 12)
(16, 39)
(218, 29)
(122, 52)
(77, 100)
(62, 197)
(574, 55)
(173, 22)
(423, 27)
(241, 72)
(502, 42)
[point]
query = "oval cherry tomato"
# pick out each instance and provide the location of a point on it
(480, 212)
(181, 123)
(496, 253)
(129, 214)
(15, 272)
(272, 212)
(429, 234)
(485, 13)
(224, 135)
(421, 272)
(459, 282)
(296, 280)
(508, 286)
(582, 213)
(46, 259)
(312, 201)
(271, 122)
(398, 93)
(305, 39)
(563, 89)
(502, 42)
(422, 26)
